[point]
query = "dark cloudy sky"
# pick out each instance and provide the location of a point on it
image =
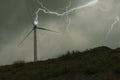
(88, 28)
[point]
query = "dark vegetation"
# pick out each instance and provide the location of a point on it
(101, 63)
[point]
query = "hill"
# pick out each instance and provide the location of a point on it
(101, 63)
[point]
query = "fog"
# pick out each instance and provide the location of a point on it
(88, 28)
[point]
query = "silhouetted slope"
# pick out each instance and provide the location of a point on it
(101, 49)
(101, 63)
(117, 50)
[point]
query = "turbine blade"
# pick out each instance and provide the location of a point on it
(25, 37)
(46, 29)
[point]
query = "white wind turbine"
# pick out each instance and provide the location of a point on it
(34, 29)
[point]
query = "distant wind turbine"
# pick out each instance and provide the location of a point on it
(35, 27)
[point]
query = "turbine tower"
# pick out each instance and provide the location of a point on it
(35, 28)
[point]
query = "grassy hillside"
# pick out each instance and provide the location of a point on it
(101, 63)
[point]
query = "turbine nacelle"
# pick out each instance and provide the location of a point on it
(34, 26)
(35, 22)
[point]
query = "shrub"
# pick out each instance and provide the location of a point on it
(19, 63)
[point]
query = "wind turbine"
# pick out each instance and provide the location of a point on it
(34, 29)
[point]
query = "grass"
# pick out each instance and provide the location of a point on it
(101, 63)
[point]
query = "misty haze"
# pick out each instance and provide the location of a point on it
(82, 25)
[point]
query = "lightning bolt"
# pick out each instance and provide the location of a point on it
(47, 11)
(67, 17)
(36, 18)
(117, 19)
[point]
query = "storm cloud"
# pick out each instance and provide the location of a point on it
(88, 28)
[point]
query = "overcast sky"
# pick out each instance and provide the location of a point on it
(88, 28)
